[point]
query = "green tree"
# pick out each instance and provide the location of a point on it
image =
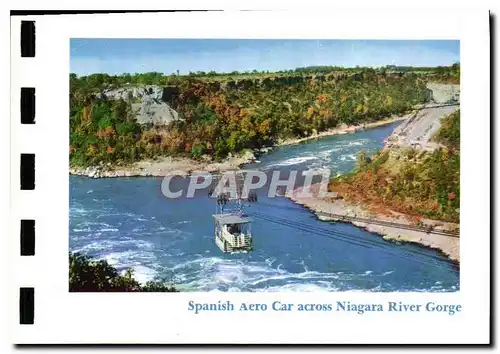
(87, 275)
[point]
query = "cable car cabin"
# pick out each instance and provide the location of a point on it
(232, 232)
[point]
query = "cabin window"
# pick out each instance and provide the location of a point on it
(234, 229)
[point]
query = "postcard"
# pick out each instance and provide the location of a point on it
(199, 185)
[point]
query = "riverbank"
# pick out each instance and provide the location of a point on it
(448, 245)
(164, 167)
(346, 129)
(167, 165)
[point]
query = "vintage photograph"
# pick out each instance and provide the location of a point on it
(264, 165)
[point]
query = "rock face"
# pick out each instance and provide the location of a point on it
(153, 107)
(131, 93)
(152, 111)
(444, 93)
(417, 132)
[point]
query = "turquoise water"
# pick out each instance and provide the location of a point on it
(129, 222)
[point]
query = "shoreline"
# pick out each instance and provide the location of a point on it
(161, 167)
(345, 129)
(167, 165)
(449, 246)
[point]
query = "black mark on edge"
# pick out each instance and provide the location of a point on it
(27, 105)
(27, 237)
(26, 305)
(27, 171)
(28, 39)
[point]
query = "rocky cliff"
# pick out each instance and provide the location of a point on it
(444, 93)
(151, 103)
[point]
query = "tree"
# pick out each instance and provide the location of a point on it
(87, 275)
(362, 160)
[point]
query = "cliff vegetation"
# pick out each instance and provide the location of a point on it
(230, 112)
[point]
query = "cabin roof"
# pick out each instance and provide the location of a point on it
(225, 219)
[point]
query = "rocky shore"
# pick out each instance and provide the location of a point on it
(324, 207)
(166, 166)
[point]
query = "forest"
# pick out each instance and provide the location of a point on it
(419, 184)
(228, 113)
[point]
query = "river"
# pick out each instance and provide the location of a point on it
(129, 222)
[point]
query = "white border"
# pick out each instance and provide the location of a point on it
(61, 317)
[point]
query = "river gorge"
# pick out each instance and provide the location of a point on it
(131, 224)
